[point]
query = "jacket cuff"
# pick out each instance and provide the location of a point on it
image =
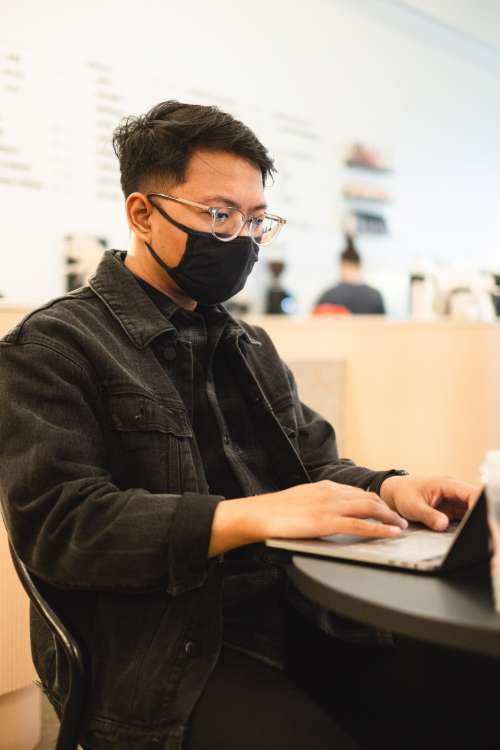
(189, 540)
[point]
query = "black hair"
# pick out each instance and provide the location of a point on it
(160, 143)
(350, 253)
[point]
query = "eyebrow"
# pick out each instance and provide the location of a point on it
(231, 202)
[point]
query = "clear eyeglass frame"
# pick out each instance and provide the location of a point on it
(269, 228)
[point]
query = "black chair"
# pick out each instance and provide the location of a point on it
(67, 738)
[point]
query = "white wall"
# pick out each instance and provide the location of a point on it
(336, 70)
(476, 19)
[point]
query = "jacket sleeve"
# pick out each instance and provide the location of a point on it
(67, 520)
(319, 452)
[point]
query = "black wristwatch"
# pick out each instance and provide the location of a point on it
(377, 483)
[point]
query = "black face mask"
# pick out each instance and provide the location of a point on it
(210, 271)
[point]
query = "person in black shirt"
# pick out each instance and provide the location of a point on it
(151, 443)
(351, 292)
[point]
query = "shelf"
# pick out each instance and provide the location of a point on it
(365, 199)
(367, 167)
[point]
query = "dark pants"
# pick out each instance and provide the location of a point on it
(338, 696)
(249, 705)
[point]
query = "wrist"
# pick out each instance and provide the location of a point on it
(236, 523)
(388, 483)
(386, 490)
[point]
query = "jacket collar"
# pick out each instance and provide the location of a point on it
(137, 314)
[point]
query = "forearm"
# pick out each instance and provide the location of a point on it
(308, 510)
(237, 523)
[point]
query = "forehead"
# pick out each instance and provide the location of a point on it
(223, 173)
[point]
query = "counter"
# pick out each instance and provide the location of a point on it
(20, 699)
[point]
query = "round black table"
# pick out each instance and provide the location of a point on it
(456, 610)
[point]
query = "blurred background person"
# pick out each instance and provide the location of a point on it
(351, 293)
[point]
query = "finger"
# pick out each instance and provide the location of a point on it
(453, 489)
(359, 527)
(428, 515)
(370, 508)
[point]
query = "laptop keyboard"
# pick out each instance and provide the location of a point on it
(415, 544)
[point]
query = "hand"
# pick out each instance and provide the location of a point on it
(430, 500)
(307, 510)
(325, 508)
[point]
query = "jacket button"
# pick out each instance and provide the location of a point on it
(191, 648)
(169, 353)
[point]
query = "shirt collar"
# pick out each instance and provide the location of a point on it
(132, 307)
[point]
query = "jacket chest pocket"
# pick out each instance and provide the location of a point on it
(151, 442)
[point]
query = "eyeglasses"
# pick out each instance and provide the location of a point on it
(227, 222)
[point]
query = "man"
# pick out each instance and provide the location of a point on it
(351, 292)
(151, 443)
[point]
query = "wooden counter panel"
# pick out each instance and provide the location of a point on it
(423, 396)
(10, 315)
(16, 667)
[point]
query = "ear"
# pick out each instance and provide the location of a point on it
(139, 212)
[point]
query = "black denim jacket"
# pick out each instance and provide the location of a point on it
(106, 500)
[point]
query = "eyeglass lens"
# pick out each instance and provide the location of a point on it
(228, 222)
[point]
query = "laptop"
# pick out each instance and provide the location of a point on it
(463, 543)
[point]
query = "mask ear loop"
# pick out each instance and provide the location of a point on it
(155, 255)
(182, 227)
(157, 258)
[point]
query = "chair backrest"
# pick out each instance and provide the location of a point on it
(71, 712)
